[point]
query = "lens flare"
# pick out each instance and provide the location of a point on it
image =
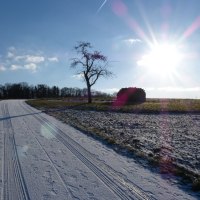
(162, 59)
(45, 132)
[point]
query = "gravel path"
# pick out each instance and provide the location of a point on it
(170, 138)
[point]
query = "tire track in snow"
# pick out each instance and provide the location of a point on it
(14, 186)
(117, 184)
(54, 167)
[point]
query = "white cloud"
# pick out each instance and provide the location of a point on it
(25, 61)
(34, 59)
(31, 66)
(10, 55)
(2, 68)
(30, 58)
(132, 41)
(53, 59)
(18, 58)
(15, 67)
(121, 42)
(27, 58)
(78, 76)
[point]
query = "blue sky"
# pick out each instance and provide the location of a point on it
(37, 39)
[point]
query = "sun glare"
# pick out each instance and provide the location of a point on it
(162, 59)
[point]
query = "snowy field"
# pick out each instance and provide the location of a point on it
(173, 137)
(42, 158)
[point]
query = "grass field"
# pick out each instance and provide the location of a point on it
(150, 106)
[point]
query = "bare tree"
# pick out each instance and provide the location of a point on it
(90, 65)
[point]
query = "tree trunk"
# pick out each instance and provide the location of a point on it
(88, 88)
(89, 94)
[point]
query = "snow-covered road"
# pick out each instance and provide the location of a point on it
(42, 158)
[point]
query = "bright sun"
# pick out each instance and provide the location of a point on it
(162, 59)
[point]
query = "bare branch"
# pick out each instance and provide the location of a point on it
(91, 64)
(82, 47)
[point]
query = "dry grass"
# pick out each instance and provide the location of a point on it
(150, 106)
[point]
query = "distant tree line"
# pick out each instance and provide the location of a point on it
(25, 91)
